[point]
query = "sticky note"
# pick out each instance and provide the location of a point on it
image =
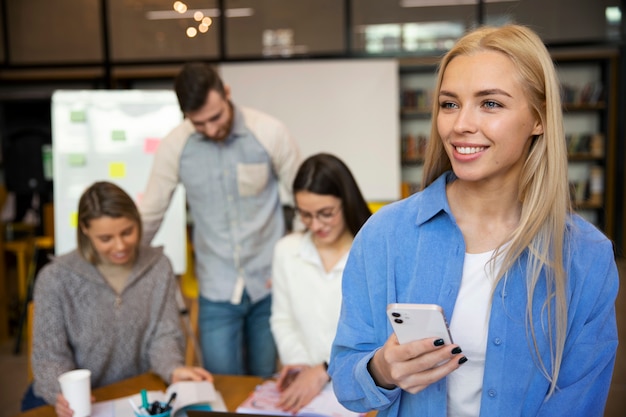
(150, 145)
(117, 170)
(76, 159)
(78, 116)
(74, 219)
(118, 135)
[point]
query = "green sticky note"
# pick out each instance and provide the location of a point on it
(118, 135)
(78, 116)
(77, 159)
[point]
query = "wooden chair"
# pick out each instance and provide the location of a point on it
(189, 290)
(21, 245)
(41, 244)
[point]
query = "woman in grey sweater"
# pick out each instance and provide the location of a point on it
(109, 306)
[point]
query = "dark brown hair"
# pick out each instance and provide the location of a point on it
(193, 83)
(325, 174)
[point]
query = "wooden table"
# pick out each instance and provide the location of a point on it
(234, 389)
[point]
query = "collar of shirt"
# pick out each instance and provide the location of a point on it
(433, 199)
(308, 252)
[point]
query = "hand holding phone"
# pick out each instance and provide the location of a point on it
(418, 321)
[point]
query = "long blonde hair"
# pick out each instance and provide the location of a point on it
(543, 183)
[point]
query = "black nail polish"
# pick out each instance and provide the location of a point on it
(456, 350)
(439, 342)
(462, 360)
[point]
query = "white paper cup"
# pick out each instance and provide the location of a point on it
(76, 388)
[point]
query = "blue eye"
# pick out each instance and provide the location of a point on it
(447, 105)
(491, 104)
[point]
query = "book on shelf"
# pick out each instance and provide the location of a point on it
(409, 188)
(264, 398)
(196, 395)
(591, 93)
(416, 99)
(596, 185)
(589, 144)
(413, 147)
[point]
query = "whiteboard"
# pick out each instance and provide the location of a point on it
(111, 135)
(345, 107)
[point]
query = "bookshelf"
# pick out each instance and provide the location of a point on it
(417, 82)
(589, 80)
(589, 84)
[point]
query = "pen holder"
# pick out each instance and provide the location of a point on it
(144, 413)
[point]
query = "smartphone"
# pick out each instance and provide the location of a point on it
(418, 321)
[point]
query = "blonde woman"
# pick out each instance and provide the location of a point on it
(527, 285)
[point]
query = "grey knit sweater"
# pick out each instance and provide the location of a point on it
(80, 322)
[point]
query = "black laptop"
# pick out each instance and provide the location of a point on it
(204, 413)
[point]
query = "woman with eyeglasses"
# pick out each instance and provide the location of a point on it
(307, 270)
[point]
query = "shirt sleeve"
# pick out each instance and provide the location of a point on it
(589, 355)
(286, 160)
(167, 343)
(163, 180)
(357, 337)
(51, 351)
(291, 347)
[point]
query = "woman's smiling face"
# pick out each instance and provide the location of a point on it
(485, 121)
(115, 239)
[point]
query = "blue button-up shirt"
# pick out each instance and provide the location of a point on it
(412, 251)
(233, 191)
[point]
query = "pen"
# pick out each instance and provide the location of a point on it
(169, 402)
(144, 400)
(135, 408)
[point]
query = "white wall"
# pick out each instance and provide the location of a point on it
(345, 107)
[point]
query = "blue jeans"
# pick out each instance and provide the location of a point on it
(30, 400)
(236, 339)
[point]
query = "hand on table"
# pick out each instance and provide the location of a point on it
(191, 373)
(299, 384)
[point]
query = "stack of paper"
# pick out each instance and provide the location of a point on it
(265, 397)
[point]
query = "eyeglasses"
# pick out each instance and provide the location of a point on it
(324, 215)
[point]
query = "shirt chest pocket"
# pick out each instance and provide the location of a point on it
(252, 178)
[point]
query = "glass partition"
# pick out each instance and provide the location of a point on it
(284, 28)
(561, 21)
(51, 32)
(401, 27)
(161, 30)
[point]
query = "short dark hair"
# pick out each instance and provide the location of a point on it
(193, 83)
(325, 174)
(101, 199)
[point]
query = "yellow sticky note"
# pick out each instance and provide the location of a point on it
(117, 170)
(74, 219)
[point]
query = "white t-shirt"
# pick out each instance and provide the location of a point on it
(469, 326)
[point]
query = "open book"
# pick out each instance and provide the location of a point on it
(264, 398)
(197, 395)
